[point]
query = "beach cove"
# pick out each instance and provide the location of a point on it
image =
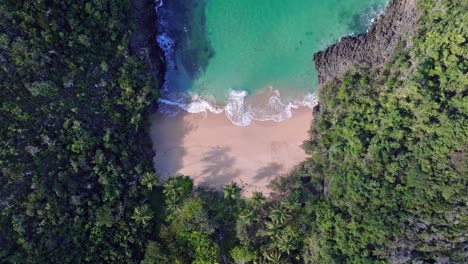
(219, 53)
(213, 152)
(240, 85)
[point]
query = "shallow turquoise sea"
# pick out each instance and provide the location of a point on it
(223, 52)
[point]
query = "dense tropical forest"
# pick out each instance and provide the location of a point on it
(75, 168)
(386, 180)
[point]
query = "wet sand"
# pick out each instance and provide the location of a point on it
(214, 152)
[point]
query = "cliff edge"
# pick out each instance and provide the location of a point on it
(372, 49)
(143, 42)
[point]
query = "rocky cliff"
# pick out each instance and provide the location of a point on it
(143, 42)
(372, 49)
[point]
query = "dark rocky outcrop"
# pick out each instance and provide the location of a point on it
(371, 49)
(143, 42)
(187, 28)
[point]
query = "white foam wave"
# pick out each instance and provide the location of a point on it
(159, 4)
(197, 105)
(310, 100)
(238, 110)
(165, 41)
(373, 16)
(235, 109)
(166, 44)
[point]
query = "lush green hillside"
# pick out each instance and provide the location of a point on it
(387, 177)
(386, 181)
(389, 151)
(73, 105)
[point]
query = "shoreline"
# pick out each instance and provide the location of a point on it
(174, 99)
(370, 50)
(242, 108)
(143, 43)
(214, 152)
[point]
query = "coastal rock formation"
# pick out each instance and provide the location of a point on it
(371, 49)
(143, 42)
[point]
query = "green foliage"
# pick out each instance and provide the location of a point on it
(153, 254)
(187, 234)
(383, 150)
(176, 190)
(231, 191)
(242, 254)
(206, 251)
(74, 144)
(386, 180)
(141, 214)
(149, 180)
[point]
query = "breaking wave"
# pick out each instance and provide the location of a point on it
(164, 40)
(241, 108)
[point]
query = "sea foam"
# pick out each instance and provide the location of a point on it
(238, 109)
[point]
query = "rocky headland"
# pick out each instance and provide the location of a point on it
(369, 50)
(143, 42)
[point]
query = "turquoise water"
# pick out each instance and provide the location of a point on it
(252, 59)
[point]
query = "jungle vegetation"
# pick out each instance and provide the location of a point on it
(75, 159)
(386, 181)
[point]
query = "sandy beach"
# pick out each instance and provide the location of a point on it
(214, 152)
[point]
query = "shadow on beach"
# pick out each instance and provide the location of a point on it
(219, 167)
(167, 134)
(214, 152)
(269, 172)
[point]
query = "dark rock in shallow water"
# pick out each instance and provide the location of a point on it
(143, 42)
(374, 48)
(186, 25)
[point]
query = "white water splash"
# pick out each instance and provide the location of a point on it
(238, 110)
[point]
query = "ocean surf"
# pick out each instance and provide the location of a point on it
(251, 60)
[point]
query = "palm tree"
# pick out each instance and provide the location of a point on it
(278, 214)
(231, 191)
(149, 180)
(273, 229)
(247, 216)
(261, 260)
(171, 202)
(141, 214)
(273, 256)
(291, 203)
(172, 188)
(258, 198)
(285, 242)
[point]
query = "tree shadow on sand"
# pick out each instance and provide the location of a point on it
(167, 135)
(219, 169)
(272, 170)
